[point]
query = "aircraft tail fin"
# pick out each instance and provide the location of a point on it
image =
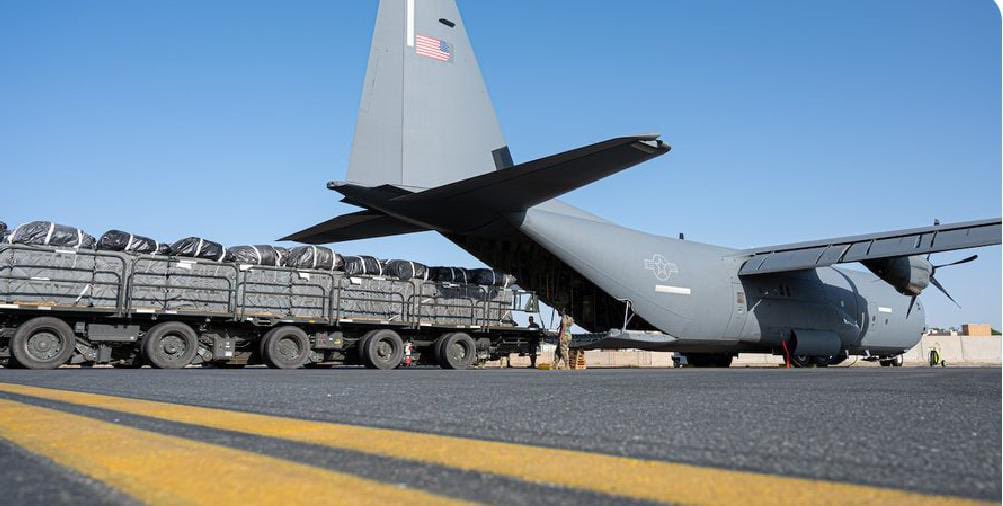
(425, 119)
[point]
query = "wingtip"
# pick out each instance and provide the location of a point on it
(653, 141)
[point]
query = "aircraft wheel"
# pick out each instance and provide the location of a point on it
(383, 349)
(802, 361)
(838, 359)
(822, 361)
(170, 345)
(285, 347)
(43, 343)
(457, 351)
(898, 361)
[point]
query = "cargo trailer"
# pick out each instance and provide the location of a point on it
(80, 306)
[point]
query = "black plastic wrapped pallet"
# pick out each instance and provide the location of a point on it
(363, 265)
(253, 255)
(47, 233)
(196, 247)
(448, 274)
(490, 277)
(313, 257)
(118, 240)
(405, 269)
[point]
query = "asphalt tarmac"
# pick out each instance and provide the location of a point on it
(919, 430)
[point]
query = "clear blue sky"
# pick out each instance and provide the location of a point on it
(789, 120)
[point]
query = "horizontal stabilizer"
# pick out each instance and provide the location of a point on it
(896, 243)
(525, 185)
(473, 202)
(347, 227)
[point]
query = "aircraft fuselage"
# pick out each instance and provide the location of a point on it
(692, 291)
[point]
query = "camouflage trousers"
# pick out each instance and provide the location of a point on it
(562, 354)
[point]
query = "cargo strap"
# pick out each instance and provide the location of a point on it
(48, 236)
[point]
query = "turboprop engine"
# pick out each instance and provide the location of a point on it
(911, 275)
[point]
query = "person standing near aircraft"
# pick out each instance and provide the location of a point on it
(563, 343)
(534, 343)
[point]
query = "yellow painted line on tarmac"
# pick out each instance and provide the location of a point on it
(605, 474)
(158, 469)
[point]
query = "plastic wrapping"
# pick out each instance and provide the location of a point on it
(118, 240)
(195, 247)
(254, 255)
(449, 274)
(406, 270)
(379, 298)
(313, 257)
(363, 265)
(283, 253)
(85, 279)
(94, 279)
(490, 277)
(171, 284)
(47, 233)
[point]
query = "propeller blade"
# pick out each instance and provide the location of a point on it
(912, 302)
(962, 261)
(942, 289)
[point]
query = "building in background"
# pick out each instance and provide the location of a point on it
(968, 329)
(976, 329)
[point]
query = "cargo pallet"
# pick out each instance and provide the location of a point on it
(60, 306)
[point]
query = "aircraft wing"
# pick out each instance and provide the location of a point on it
(896, 243)
(360, 225)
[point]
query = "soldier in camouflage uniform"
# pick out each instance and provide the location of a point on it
(562, 353)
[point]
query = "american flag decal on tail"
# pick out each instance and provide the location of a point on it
(433, 48)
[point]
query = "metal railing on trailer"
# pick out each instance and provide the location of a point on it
(174, 299)
(77, 287)
(125, 285)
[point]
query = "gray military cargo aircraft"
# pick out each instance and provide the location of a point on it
(428, 154)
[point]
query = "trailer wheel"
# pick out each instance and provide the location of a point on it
(43, 343)
(285, 347)
(437, 349)
(457, 351)
(383, 349)
(361, 349)
(170, 345)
